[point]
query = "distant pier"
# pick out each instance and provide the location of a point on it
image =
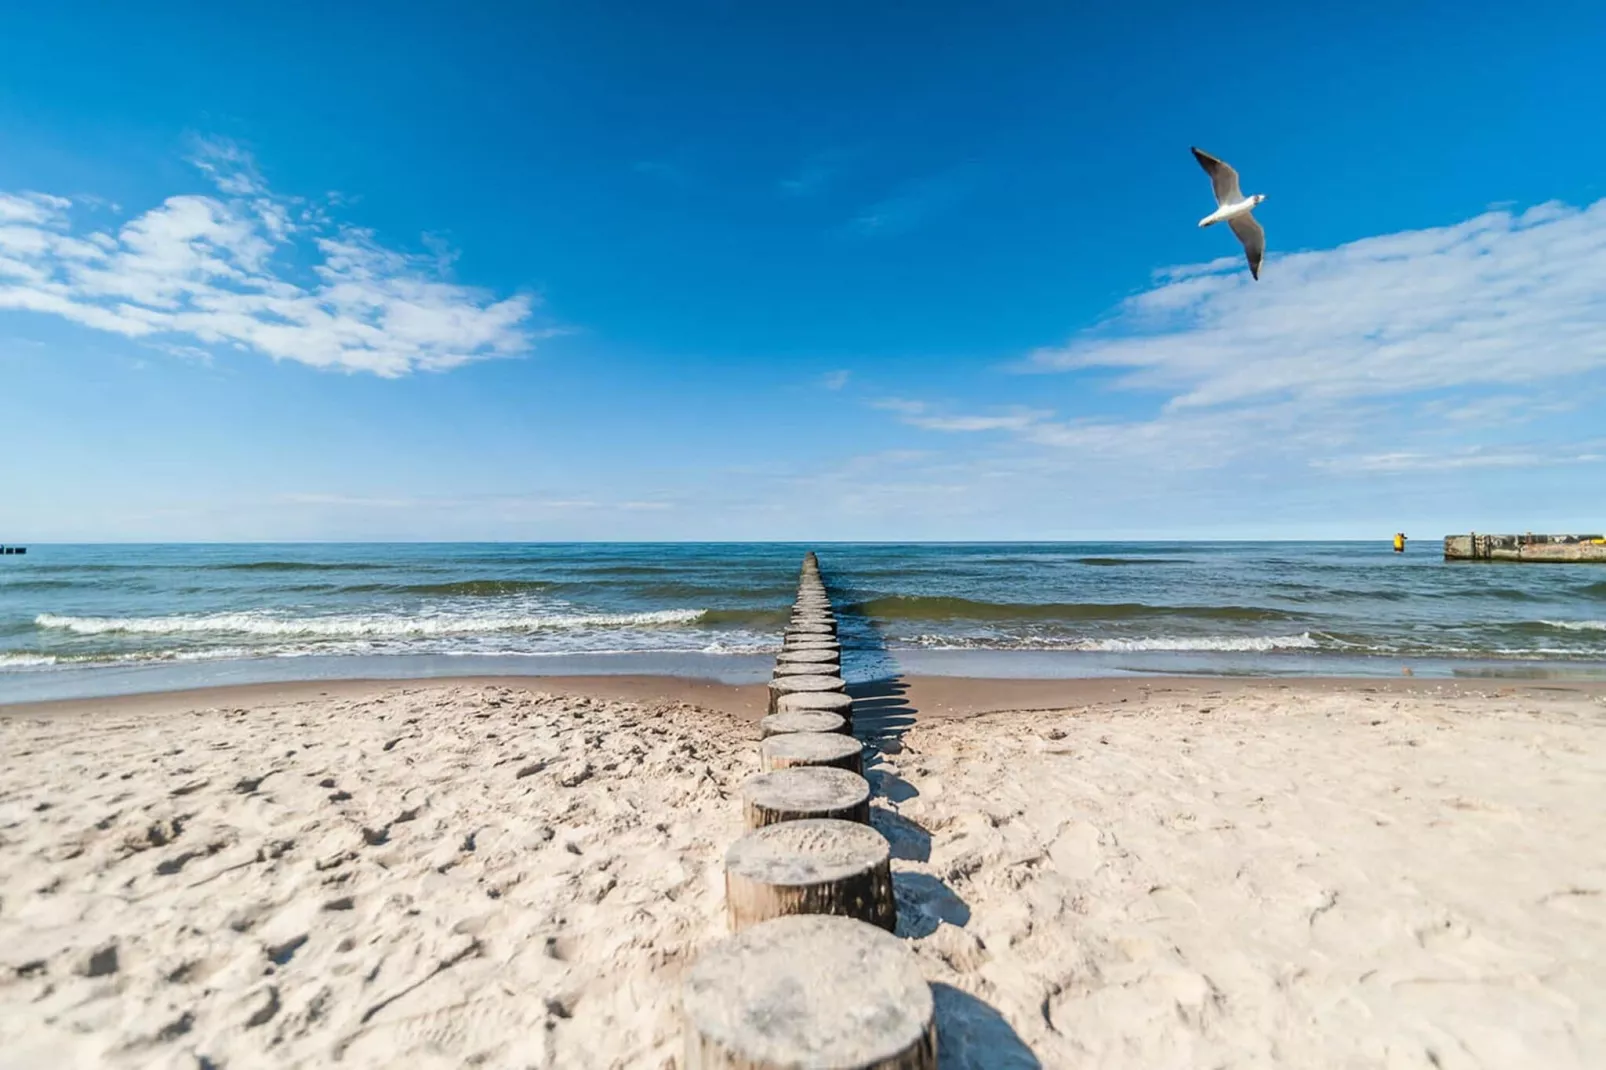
(1474, 547)
(13, 549)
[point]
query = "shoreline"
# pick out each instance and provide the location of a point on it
(104, 681)
(931, 697)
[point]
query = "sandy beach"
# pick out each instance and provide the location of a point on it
(515, 873)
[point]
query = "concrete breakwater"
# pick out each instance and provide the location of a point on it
(1528, 547)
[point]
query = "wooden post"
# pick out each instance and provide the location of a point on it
(810, 867)
(811, 642)
(806, 668)
(797, 794)
(816, 701)
(808, 991)
(791, 657)
(777, 724)
(832, 748)
(787, 685)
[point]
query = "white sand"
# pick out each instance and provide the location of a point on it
(421, 879)
(1309, 878)
(1315, 876)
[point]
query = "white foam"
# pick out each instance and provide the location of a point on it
(1158, 644)
(1577, 625)
(264, 624)
(1243, 643)
(25, 661)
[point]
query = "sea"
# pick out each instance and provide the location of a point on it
(83, 621)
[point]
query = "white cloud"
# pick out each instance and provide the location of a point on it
(836, 380)
(1504, 300)
(1528, 457)
(224, 270)
(1016, 419)
(920, 414)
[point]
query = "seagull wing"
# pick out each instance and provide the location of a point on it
(1222, 178)
(1253, 237)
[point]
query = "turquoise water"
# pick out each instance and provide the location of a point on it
(94, 618)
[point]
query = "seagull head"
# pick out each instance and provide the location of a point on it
(1257, 198)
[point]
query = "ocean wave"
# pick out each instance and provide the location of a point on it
(1111, 562)
(26, 661)
(261, 624)
(937, 608)
(754, 618)
(9, 585)
(1156, 644)
(1577, 625)
(1240, 643)
(457, 588)
(1596, 589)
(296, 566)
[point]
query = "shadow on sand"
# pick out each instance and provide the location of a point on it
(971, 1034)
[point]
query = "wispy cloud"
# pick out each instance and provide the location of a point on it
(1504, 299)
(836, 380)
(913, 204)
(1525, 457)
(249, 269)
(920, 414)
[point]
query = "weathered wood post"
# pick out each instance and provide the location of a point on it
(810, 867)
(816, 702)
(780, 724)
(809, 991)
(791, 685)
(835, 748)
(800, 793)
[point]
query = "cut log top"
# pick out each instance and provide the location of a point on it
(790, 657)
(806, 668)
(808, 683)
(829, 701)
(802, 721)
(803, 792)
(807, 852)
(832, 747)
(809, 992)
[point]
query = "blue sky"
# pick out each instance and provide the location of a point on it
(822, 271)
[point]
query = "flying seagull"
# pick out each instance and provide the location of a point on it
(1235, 208)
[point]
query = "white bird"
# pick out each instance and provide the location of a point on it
(1235, 208)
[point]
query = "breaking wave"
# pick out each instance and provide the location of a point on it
(263, 624)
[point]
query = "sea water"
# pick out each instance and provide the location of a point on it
(79, 620)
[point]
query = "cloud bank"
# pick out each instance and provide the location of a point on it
(249, 269)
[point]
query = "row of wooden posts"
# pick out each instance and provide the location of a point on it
(812, 976)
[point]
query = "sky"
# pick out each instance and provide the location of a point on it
(820, 271)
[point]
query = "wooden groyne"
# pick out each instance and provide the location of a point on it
(1529, 547)
(812, 975)
(13, 549)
